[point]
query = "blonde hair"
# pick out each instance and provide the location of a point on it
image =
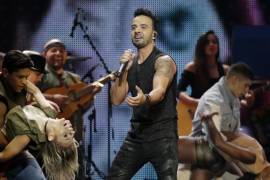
(60, 163)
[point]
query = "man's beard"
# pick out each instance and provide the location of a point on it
(138, 45)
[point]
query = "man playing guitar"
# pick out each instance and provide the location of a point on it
(55, 54)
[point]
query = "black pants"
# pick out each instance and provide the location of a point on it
(162, 154)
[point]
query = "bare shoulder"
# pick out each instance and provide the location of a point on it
(190, 67)
(165, 59)
(165, 65)
(226, 68)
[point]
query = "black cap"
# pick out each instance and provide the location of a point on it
(54, 43)
(15, 59)
(38, 60)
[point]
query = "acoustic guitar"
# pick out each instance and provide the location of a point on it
(80, 95)
(185, 115)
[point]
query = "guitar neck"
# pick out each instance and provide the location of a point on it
(89, 88)
(105, 79)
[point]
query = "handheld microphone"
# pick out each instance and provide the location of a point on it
(122, 69)
(123, 66)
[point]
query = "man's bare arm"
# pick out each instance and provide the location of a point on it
(119, 89)
(165, 71)
(14, 147)
(3, 110)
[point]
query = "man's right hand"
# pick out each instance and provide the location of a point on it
(127, 57)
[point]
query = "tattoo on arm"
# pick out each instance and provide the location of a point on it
(165, 66)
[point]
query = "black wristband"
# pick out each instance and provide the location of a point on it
(147, 99)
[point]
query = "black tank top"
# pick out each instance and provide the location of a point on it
(142, 75)
(188, 78)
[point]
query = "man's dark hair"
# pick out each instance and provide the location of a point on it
(15, 60)
(148, 13)
(240, 69)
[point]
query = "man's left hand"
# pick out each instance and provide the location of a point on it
(137, 100)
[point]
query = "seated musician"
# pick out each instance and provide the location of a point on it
(200, 74)
(55, 53)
